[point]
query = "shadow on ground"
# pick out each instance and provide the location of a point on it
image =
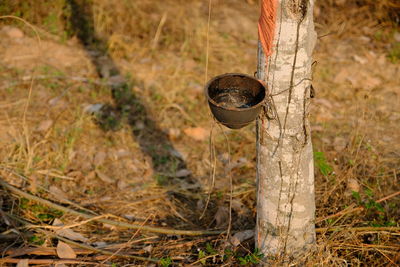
(128, 107)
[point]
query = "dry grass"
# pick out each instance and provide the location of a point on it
(61, 153)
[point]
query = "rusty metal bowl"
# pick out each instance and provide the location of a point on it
(235, 99)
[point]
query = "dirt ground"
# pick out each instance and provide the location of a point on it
(121, 130)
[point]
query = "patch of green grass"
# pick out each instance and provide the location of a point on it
(201, 256)
(394, 53)
(36, 240)
(210, 249)
(251, 258)
(51, 23)
(165, 262)
(41, 212)
(322, 163)
(208, 252)
(161, 179)
(376, 214)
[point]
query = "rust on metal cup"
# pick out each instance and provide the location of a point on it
(235, 99)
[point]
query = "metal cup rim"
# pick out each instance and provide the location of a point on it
(210, 100)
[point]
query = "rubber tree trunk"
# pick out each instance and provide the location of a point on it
(285, 229)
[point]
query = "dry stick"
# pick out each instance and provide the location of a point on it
(386, 256)
(58, 228)
(358, 229)
(345, 211)
(127, 244)
(230, 183)
(41, 251)
(48, 262)
(106, 221)
(212, 173)
(106, 252)
(48, 191)
(208, 40)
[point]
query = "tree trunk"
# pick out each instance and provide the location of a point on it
(285, 229)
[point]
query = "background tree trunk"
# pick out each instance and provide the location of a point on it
(285, 171)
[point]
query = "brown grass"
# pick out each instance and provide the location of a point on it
(159, 47)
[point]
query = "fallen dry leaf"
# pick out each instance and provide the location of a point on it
(93, 109)
(239, 237)
(44, 126)
(13, 32)
(64, 251)
(148, 248)
(353, 185)
(197, 133)
(236, 164)
(99, 158)
(339, 143)
(183, 173)
(121, 184)
(221, 217)
(360, 60)
(68, 233)
(173, 133)
(396, 36)
(239, 207)
(178, 153)
(58, 194)
(23, 263)
(104, 177)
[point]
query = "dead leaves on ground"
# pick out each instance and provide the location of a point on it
(67, 232)
(197, 133)
(64, 251)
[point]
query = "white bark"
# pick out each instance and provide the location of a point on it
(285, 172)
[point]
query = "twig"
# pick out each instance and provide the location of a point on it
(42, 251)
(105, 252)
(53, 174)
(129, 243)
(203, 259)
(47, 262)
(13, 236)
(230, 184)
(388, 197)
(386, 256)
(81, 245)
(347, 211)
(358, 229)
(106, 221)
(48, 191)
(212, 172)
(62, 227)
